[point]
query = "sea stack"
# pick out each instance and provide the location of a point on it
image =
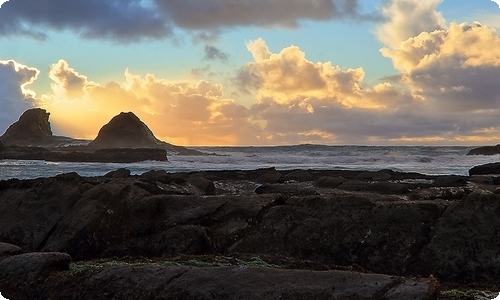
(32, 128)
(125, 130)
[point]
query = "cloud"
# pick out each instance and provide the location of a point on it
(408, 18)
(121, 21)
(130, 20)
(215, 14)
(455, 68)
(290, 75)
(190, 113)
(214, 53)
(68, 83)
(15, 95)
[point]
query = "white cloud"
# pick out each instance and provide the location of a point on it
(408, 18)
(15, 95)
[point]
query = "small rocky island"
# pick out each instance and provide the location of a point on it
(124, 139)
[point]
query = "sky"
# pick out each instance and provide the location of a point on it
(260, 72)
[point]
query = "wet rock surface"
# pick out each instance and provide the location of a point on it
(317, 234)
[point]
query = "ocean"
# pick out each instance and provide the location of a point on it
(421, 159)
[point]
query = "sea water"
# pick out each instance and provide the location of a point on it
(425, 160)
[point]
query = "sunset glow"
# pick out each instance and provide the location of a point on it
(265, 73)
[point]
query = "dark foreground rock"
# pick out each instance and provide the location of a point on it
(159, 280)
(312, 239)
(486, 169)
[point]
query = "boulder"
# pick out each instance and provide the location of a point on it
(155, 174)
(464, 242)
(450, 180)
(486, 169)
(485, 150)
(271, 176)
(119, 173)
(7, 249)
(369, 175)
(206, 186)
(378, 187)
(298, 175)
(329, 182)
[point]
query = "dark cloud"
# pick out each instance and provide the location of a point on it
(214, 53)
(121, 21)
(129, 20)
(214, 14)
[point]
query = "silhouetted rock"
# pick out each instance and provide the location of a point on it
(125, 130)
(121, 140)
(32, 128)
(485, 150)
(120, 173)
(486, 169)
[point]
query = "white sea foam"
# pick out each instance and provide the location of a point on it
(426, 160)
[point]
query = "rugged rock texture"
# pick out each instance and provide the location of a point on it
(428, 229)
(157, 281)
(485, 150)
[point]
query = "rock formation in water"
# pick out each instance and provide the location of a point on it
(32, 128)
(485, 150)
(121, 140)
(126, 130)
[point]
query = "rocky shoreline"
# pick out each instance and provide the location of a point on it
(259, 234)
